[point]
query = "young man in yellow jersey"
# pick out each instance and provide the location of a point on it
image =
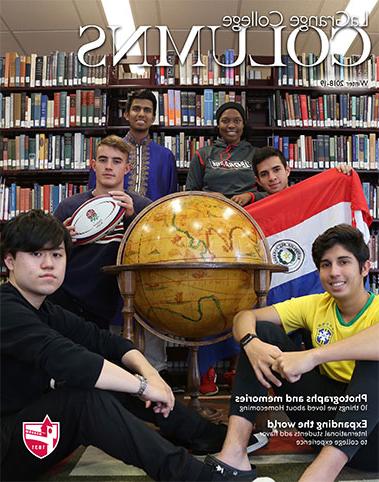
(329, 392)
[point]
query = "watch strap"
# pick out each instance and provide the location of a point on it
(247, 339)
(143, 384)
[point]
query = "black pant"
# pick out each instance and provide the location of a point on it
(364, 381)
(108, 421)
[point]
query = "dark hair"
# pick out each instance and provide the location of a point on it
(117, 143)
(345, 235)
(142, 94)
(32, 231)
(263, 153)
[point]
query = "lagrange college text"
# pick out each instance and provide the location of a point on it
(239, 25)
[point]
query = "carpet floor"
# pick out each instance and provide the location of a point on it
(282, 460)
(92, 465)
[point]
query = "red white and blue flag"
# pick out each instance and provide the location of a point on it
(292, 219)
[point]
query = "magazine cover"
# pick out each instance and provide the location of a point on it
(189, 229)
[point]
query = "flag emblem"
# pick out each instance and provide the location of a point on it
(41, 438)
(287, 253)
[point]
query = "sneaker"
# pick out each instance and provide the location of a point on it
(208, 383)
(212, 441)
(256, 441)
(222, 471)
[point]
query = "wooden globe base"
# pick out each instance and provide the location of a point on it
(193, 378)
(126, 279)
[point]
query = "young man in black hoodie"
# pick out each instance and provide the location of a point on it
(95, 384)
(227, 166)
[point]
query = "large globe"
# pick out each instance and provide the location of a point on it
(186, 230)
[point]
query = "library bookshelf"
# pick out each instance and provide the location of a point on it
(54, 111)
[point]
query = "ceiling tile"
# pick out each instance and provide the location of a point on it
(375, 44)
(91, 12)
(145, 12)
(66, 41)
(39, 14)
(356, 46)
(292, 7)
(54, 24)
(8, 43)
(195, 12)
(224, 39)
(373, 23)
(3, 26)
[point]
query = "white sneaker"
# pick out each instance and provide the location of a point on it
(257, 441)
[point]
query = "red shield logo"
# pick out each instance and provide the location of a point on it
(41, 438)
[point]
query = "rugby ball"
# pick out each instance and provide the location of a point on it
(95, 218)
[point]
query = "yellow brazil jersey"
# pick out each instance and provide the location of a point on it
(320, 315)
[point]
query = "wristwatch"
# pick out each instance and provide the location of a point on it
(143, 384)
(247, 339)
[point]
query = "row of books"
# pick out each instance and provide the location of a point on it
(328, 110)
(66, 151)
(75, 150)
(188, 108)
(55, 69)
(323, 150)
(61, 109)
(371, 193)
(374, 283)
(183, 146)
(15, 199)
(210, 73)
(64, 69)
(183, 108)
(327, 74)
(374, 250)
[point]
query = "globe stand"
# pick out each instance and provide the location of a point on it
(193, 386)
(193, 377)
(127, 284)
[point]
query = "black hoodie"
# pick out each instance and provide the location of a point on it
(223, 168)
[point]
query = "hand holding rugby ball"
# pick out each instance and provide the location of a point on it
(95, 218)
